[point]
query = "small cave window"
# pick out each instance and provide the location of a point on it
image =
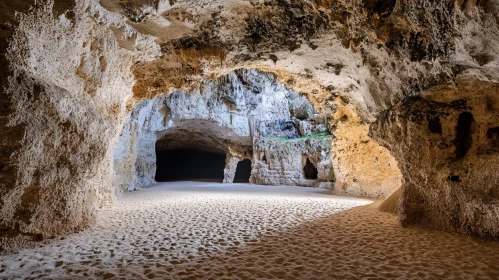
(310, 171)
(434, 124)
(454, 178)
(195, 165)
(463, 134)
(243, 171)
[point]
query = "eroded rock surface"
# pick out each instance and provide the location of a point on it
(448, 182)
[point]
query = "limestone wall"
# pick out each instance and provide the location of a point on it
(68, 87)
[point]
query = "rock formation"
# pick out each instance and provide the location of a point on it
(239, 115)
(359, 96)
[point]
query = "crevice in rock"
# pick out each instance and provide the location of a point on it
(434, 124)
(264, 158)
(381, 7)
(463, 139)
(454, 178)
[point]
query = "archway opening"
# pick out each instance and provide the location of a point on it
(310, 171)
(189, 164)
(463, 139)
(243, 171)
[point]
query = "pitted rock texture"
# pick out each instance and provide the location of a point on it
(64, 102)
(448, 182)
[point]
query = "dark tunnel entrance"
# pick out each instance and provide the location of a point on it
(310, 171)
(243, 171)
(184, 165)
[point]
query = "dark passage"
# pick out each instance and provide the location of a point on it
(243, 171)
(309, 171)
(434, 124)
(179, 165)
(463, 134)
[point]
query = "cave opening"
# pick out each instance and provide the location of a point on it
(434, 124)
(310, 171)
(463, 134)
(243, 171)
(189, 164)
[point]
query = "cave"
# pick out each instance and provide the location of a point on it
(464, 138)
(309, 170)
(141, 139)
(243, 171)
(183, 165)
(434, 124)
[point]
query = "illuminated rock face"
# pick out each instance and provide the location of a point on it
(238, 115)
(94, 87)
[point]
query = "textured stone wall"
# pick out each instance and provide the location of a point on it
(68, 87)
(10, 135)
(443, 135)
(450, 182)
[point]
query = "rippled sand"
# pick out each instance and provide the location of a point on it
(188, 230)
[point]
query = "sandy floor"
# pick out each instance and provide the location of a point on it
(214, 231)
